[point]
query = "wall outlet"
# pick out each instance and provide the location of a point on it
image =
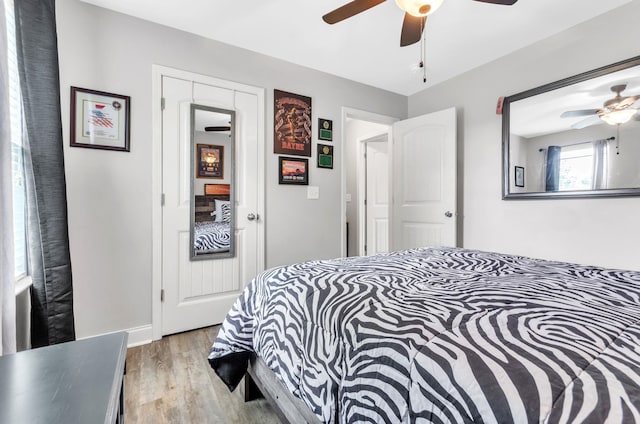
(347, 197)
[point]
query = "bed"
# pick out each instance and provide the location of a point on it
(442, 335)
(212, 220)
(211, 236)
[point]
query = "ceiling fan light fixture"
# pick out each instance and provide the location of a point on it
(419, 8)
(618, 117)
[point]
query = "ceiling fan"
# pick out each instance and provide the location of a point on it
(615, 111)
(415, 16)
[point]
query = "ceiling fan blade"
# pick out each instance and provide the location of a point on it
(412, 28)
(504, 2)
(350, 9)
(592, 120)
(577, 113)
(221, 128)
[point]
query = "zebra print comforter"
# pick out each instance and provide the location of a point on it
(211, 235)
(443, 335)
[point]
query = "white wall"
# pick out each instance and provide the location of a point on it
(595, 231)
(109, 193)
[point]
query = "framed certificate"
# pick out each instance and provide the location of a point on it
(99, 120)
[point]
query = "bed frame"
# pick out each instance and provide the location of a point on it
(260, 381)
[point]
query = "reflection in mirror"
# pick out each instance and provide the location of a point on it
(212, 182)
(578, 137)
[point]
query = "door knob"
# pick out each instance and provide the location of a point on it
(448, 214)
(252, 217)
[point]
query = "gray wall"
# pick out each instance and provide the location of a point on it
(594, 231)
(109, 193)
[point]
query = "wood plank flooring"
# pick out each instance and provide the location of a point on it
(170, 381)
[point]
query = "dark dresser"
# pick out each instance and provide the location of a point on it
(77, 382)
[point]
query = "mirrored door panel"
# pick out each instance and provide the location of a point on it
(212, 182)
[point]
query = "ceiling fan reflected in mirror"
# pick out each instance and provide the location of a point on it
(415, 17)
(217, 128)
(615, 111)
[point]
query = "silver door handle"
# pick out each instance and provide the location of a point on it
(252, 217)
(448, 214)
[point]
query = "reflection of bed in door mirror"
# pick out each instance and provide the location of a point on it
(212, 220)
(212, 183)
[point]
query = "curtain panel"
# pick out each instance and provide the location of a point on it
(7, 264)
(553, 168)
(52, 318)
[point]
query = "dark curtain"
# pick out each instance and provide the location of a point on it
(49, 259)
(553, 168)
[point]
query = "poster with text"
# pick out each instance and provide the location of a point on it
(292, 124)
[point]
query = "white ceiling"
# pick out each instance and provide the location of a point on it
(461, 35)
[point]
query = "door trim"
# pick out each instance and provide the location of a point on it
(362, 115)
(158, 72)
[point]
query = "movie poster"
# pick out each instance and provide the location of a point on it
(292, 123)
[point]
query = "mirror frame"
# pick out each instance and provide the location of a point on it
(506, 167)
(193, 107)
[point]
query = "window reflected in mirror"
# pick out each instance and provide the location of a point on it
(575, 137)
(212, 183)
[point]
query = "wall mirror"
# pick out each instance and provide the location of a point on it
(212, 182)
(578, 137)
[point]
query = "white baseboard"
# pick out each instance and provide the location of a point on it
(140, 335)
(137, 335)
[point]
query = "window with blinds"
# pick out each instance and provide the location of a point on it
(19, 192)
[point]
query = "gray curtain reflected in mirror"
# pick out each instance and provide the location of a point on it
(579, 137)
(212, 182)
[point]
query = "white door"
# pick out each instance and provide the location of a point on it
(423, 211)
(377, 195)
(200, 293)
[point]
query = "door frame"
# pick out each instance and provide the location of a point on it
(158, 72)
(362, 185)
(361, 115)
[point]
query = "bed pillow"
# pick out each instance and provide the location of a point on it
(223, 211)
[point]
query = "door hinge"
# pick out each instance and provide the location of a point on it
(162, 295)
(162, 103)
(162, 200)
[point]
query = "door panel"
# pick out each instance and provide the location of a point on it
(200, 293)
(424, 183)
(377, 196)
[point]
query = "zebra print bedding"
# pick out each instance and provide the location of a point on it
(443, 335)
(211, 236)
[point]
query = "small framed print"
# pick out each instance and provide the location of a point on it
(210, 160)
(325, 156)
(99, 120)
(293, 170)
(325, 129)
(519, 176)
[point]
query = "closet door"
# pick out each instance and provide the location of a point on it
(199, 293)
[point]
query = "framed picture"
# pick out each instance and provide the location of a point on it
(293, 170)
(325, 129)
(210, 160)
(519, 176)
(325, 156)
(292, 123)
(99, 120)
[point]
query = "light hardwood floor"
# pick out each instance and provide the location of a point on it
(170, 381)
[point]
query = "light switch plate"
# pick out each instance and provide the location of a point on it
(347, 197)
(313, 192)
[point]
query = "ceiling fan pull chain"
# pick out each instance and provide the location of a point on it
(423, 53)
